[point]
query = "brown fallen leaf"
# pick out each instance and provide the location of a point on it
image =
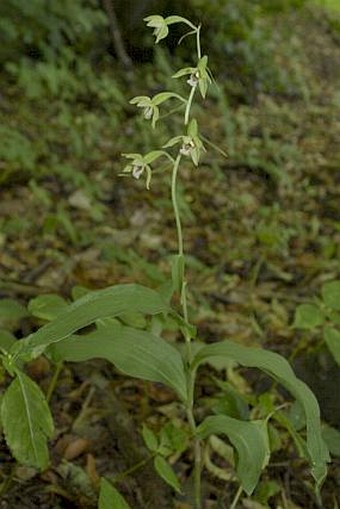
(76, 448)
(91, 470)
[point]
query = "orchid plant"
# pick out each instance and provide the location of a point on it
(143, 352)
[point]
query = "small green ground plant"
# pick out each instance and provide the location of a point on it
(127, 322)
(323, 315)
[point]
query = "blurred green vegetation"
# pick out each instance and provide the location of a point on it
(64, 98)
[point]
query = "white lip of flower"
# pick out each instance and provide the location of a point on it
(137, 169)
(194, 79)
(187, 148)
(148, 112)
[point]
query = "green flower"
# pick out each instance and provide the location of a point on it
(197, 75)
(151, 110)
(150, 105)
(140, 164)
(159, 25)
(191, 144)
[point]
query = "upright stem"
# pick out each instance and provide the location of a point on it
(54, 380)
(188, 106)
(198, 43)
(190, 373)
(175, 204)
(187, 335)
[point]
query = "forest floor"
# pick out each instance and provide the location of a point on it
(262, 234)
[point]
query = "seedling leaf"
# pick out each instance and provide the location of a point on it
(110, 498)
(308, 316)
(163, 468)
(149, 438)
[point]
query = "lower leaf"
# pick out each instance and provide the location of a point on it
(279, 369)
(27, 422)
(135, 352)
(250, 438)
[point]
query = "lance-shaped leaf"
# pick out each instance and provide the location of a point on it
(166, 472)
(278, 368)
(109, 302)
(27, 422)
(110, 498)
(250, 439)
(134, 352)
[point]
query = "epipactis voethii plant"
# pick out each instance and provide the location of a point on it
(253, 459)
(142, 352)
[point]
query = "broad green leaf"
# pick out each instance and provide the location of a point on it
(165, 471)
(250, 438)
(113, 301)
(308, 316)
(332, 338)
(110, 498)
(331, 294)
(47, 307)
(150, 439)
(137, 353)
(136, 320)
(27, 422)
(278, 368)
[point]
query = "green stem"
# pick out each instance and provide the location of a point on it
(5, 486)
(187, 336)
(175, 204)
(131, 470)
(198, 42)
(53, 381)
(237, 497)
(188, 106)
